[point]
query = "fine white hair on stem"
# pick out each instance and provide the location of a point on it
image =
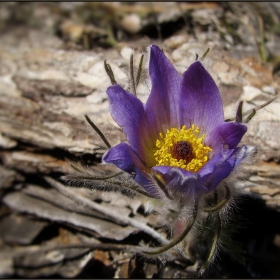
(110, 180)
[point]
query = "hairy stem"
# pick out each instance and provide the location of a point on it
(101, 178)
(76, 168)
(117, 184)
(222, 203)
(179, 238)
(162, 187)
(213, 248)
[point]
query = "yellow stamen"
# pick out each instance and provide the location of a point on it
(182, 148)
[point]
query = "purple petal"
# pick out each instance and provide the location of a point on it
(240, 154)
(217, 169)
(220, 166)
(207, 178)
(125, 158)
(181, 181)
(138, 125)
(164, 98)
(226, 134)
(200, 99)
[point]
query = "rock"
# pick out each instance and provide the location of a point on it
(72, 30)
(176, 41)
(250, 93)
(256, 74)
(131, 23)
(6, 142)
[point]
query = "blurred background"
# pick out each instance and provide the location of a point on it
(86, 26)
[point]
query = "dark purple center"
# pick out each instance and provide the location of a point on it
(182, 150)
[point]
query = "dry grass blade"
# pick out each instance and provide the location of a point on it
(253, 111)
(98, 131)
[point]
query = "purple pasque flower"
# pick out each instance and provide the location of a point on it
(179, 134)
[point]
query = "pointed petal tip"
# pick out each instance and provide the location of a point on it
(164, 97)
(201, 102)
(154, 47)
(226, 133)
(198, 66)
(155, 50)
(113, 89)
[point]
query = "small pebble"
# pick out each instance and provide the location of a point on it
(131, 23)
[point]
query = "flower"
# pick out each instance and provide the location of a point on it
(179, 134)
